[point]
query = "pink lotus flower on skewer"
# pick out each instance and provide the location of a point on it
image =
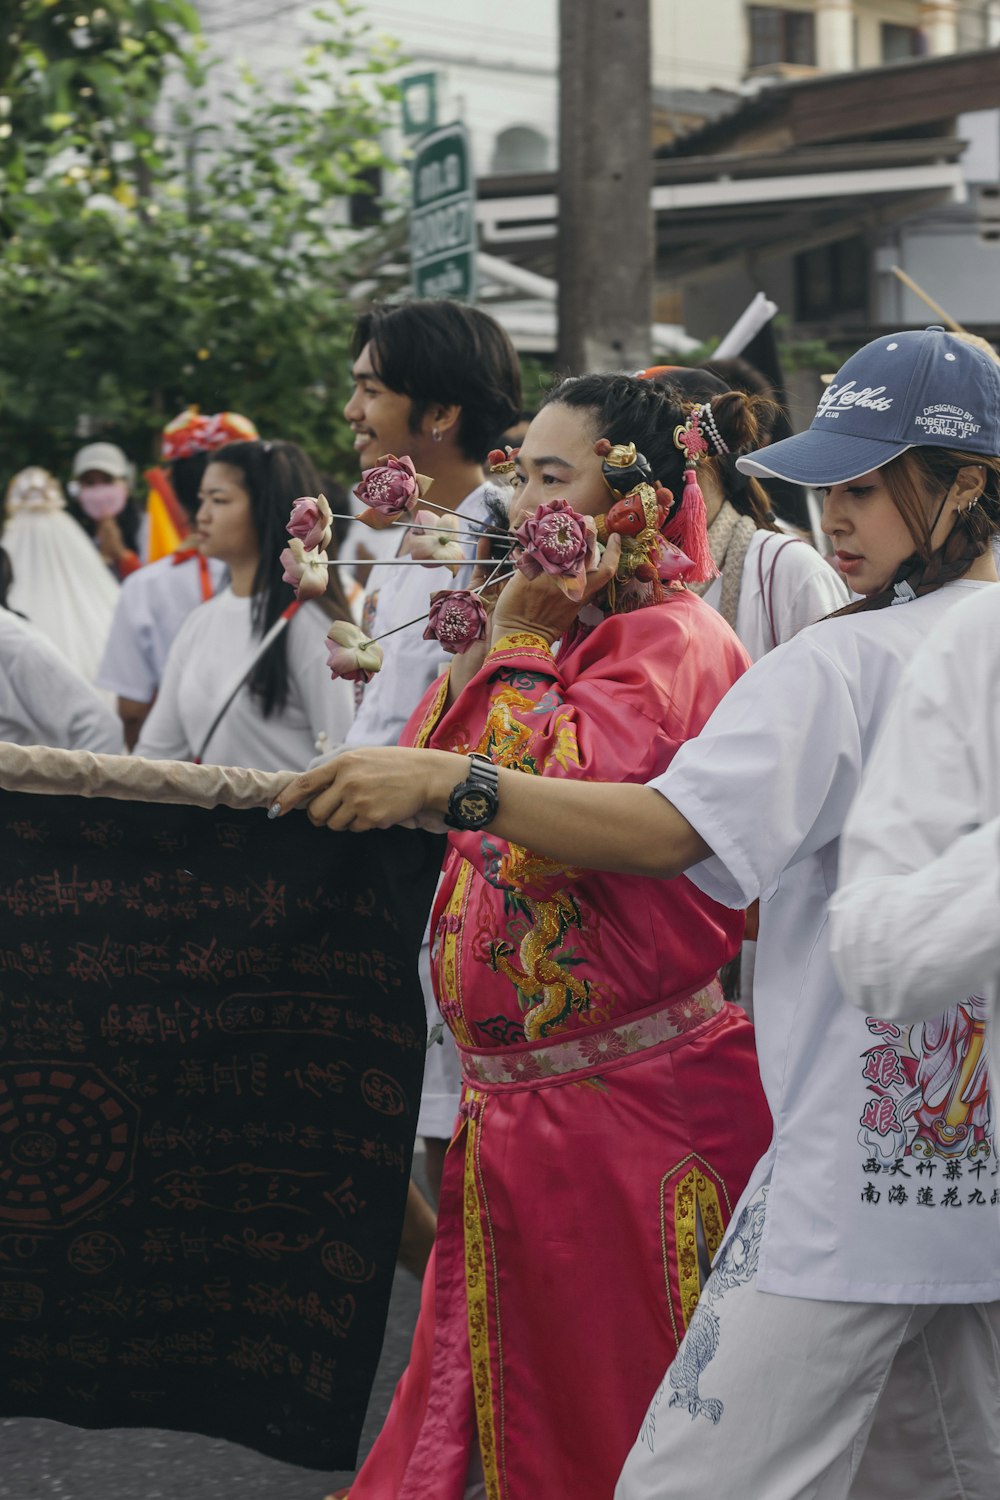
(312, 522)
(307, 570)
(350, 654)
(434, 547)
(558, 541)
(456, 621)
(390, 488)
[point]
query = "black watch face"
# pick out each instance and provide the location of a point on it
(475, 808)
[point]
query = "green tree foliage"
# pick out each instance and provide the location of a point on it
(78, 78)
(164, 242)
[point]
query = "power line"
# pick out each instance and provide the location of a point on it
(236, 18)
(482, 34)
(232, 20)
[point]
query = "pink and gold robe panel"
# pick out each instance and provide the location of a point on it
(612, 1103)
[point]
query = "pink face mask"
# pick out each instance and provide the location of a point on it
(100, 501)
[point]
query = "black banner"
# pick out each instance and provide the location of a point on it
(211, 1048)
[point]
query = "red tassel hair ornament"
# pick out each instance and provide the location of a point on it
(689, 527)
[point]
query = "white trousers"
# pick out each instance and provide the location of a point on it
(778, 1398)
(441, 1093)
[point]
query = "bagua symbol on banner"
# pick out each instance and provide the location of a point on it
(211, 1049)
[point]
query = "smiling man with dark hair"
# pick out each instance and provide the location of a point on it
(436, 381)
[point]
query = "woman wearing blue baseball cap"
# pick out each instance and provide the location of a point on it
(855, 1300)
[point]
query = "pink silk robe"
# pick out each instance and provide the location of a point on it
(611, 1098)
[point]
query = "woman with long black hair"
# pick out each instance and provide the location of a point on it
(287, 705)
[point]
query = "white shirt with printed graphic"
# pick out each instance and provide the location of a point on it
(883, 1176)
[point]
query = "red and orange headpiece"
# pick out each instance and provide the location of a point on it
(193, 432)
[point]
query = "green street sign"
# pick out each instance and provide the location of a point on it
(443, 216)
(419, 92)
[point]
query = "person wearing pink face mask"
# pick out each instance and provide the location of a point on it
(100, 489)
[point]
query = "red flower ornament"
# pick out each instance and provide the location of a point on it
(311, 521)
(558, 541)
(457, 620)
(388, 490)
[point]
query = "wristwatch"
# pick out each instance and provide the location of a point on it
(474, 802)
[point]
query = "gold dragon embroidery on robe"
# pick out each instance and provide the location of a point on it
(542, 976)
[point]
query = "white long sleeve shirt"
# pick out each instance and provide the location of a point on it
(153, 604)
(915, 923)
(43, 701)
(204, 661)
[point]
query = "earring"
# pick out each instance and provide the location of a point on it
(964, 510)
(436, 435)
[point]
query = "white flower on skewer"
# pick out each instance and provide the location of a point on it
(350, 653)
(434, 547)
(306, 569)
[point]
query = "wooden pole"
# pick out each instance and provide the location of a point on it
(946, 318)
(605, 237)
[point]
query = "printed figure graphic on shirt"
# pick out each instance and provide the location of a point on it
(954, 1117)
(929, 1092)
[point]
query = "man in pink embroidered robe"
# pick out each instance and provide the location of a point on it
(612, 1108)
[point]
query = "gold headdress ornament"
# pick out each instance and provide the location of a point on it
(501, 462)
(636, 517)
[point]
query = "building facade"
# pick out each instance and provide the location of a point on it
(737, 90)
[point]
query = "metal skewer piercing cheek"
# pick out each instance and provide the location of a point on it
(420, 618)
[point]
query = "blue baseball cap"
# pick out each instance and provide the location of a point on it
(921, 389)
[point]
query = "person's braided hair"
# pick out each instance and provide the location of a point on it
(926, 474)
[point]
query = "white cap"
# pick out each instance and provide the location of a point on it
(105, 458)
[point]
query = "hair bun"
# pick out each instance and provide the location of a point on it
(743, 420)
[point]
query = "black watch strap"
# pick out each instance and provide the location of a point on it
(474, 802)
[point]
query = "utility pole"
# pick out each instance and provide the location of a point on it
(605, 236)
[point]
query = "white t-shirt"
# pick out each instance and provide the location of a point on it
(785, 585)
(203, 664)
(152, 606)
(45, 702)
(394, 597)
(915, 919)
(866, 1204)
